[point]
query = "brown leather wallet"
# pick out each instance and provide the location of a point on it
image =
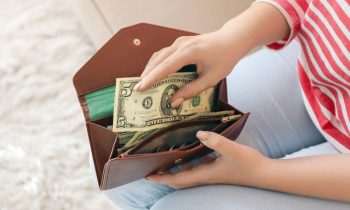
(125, 55)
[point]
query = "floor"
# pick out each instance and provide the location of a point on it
(43, 142)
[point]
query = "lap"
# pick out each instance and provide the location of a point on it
(266, 84)
(229, 197)
(320, 149)
(138, 195)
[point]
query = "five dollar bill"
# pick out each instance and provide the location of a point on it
(151, 109)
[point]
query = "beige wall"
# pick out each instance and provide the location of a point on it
(102, 18)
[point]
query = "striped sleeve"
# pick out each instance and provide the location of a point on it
(294, 12)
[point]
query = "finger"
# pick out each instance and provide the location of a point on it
(190, 90)
(158, 58)
(199, 175)
(218, 143)
(161, 55)
(170, 65)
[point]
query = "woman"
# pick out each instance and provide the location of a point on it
(323, 30)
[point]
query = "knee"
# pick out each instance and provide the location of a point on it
(122, 198)
(140, 194)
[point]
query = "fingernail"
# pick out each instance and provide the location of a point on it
(202, 135)
(138, 86)
(177, 102)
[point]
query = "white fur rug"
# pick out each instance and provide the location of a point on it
(43, 141)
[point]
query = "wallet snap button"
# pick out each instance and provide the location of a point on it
(137, 42)
(178, 161)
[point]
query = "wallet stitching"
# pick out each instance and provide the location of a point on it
(106, 169)
(93, 151)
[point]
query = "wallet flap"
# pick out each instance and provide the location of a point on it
(124, 55)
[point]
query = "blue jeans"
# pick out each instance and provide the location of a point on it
(266, 85)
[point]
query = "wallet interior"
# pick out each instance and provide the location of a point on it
(100, 106)
(94, 84)
(160, 150)
(178, 136)
(100, 103)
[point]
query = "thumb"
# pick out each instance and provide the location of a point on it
(217, 142)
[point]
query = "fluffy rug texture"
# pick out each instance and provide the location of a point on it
(43, 141)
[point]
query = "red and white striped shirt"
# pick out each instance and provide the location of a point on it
(323, 30)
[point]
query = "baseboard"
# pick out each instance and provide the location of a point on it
(93, 21)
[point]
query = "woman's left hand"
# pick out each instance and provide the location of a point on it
(237, 164)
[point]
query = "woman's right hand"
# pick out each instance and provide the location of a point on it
(212, 53)
(216, 53)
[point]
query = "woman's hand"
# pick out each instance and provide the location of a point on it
(214, 55)
(324, 176)
(237, 164)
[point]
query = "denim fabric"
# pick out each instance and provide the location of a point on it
(137, 195)
(231, 197)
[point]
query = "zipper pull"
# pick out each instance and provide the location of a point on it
(230, 118)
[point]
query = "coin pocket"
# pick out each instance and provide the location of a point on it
(179, 136)
(172, 136)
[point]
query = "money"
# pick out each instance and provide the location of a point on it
(125, 137)
(151, 109)
(138, 137)
(225, 116)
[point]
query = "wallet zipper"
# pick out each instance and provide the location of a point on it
(230, 118)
